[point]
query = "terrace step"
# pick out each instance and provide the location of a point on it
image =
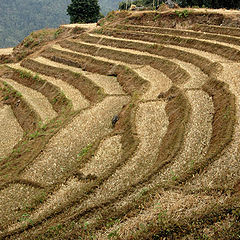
(224, 171)
(167, 204)
(210, 56)
(186, 141)
(225, 50)
(67, 48)
(184, 33)
(63, 148)
(186, 54)
(126, 77)
(145, 156)
(36, 100)
(169, 52)
(231, 31)
(14, 133)
(197, 137)
(107, 156)
(13, 202)
(84, 85)
(108, 83)
(158, 81)
(100, 196)
(172, 70)
(195, 145)
(78, 101)
(150, 132)
(197, 79)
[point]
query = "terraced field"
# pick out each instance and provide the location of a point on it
(124, 131)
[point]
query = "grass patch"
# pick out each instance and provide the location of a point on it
(35, 41)
(84, 151)
(183, 13)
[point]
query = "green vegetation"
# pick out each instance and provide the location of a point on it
(183, 3)
(21, 17)
(84, 151)
(210, 4)
(86, 11)
(183, 13)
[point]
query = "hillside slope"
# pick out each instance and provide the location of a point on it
(137, 133)
(20, 18)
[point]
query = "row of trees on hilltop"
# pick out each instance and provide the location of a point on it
(211, 3)
(229, 4)
(86, 11)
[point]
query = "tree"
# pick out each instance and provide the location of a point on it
(84, 11)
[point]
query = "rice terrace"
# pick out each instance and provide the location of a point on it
(128, 129)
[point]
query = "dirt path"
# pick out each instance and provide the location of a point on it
(10, 131)
(196, 139)
(210, 56)
(89, 26)
(225, 171)
(6, 51)
(78, 100)
(62, 150)
(159, 82)
(198, 78)
(38, 102)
